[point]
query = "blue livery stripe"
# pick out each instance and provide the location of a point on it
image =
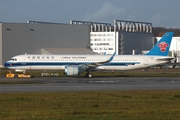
(66, 63)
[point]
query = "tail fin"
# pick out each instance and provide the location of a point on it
(162, 46)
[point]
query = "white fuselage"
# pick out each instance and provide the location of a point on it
(58, 62)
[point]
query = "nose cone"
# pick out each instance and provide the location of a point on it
(6, 64)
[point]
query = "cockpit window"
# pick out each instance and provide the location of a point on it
(13, 59)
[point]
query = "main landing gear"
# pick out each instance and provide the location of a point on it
(89, 75)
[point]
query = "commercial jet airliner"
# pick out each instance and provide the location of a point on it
(77, 64)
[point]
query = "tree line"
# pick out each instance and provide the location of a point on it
(159, 31)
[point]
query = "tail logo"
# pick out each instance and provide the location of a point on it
(163, 46)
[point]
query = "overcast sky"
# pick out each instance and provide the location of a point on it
(161, 13)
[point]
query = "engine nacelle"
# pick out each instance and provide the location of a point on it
(73, 70)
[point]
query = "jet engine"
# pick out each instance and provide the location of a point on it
(74, 70)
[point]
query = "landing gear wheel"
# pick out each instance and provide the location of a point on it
(89, 75)
(15, 76)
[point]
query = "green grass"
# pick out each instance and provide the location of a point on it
(130, 73)
(105, 105)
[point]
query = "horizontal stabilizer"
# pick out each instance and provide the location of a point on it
(165, 59)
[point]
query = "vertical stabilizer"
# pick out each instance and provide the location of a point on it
(162, 46)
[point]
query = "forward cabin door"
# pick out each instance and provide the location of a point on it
(24, 60)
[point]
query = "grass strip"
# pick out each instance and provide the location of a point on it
(108, 105)
(130, 73)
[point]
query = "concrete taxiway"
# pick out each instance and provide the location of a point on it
(57, 84)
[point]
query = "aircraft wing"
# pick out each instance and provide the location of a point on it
(96, 64)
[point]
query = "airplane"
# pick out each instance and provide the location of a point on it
(77, 64)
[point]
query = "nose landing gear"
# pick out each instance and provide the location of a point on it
(89, 75)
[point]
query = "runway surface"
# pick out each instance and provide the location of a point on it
(54, 84)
